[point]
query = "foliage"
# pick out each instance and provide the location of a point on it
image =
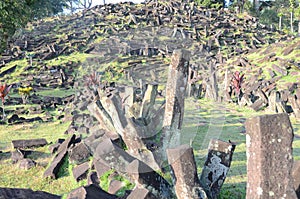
(237, 81)
(4, 90)
(25, 93)
(15, 14)
(210, 3)
(268, 16)
(75, 5)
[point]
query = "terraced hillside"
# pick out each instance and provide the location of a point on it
(132, 45)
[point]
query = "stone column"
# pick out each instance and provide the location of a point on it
(184, 168)
(175, 93)
(269, 157)
(216, 166)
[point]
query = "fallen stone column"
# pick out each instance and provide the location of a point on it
(269, 157)
(216, 166)
(29, 143)
(184, 168)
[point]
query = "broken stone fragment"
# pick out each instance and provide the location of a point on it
(216, 166)
(80, 171)
(141, 193)
(187, 184)
(26, 164)
(79, 153)
(115, 186)
(17, 155)
(113, 156)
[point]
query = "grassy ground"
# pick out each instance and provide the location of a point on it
(224, 122)
(203, 120)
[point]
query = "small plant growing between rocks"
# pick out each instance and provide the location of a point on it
(236, 84)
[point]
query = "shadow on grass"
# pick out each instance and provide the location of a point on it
(64, 169)
(5, 156)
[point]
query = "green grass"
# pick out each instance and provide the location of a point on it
(63, 59)
(203, 120)
(56, 92)
(224, 122)
(12, 176)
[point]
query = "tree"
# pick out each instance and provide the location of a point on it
(292, 8)
(75, 5)
(15, 14)
(280, 14)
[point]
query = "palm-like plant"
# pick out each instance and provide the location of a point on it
(4, 90)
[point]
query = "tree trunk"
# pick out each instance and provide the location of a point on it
(280, 23)
(256, 4)
(292, 29)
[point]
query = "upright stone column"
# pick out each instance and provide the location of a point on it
(216, 167)
(175, 93)
(184, 168)
(269, 157)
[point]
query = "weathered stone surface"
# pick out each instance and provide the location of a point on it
(100, 166)
(54, 147)
(29, 143)
(295, 105)
(187, 184)
(115, 186)
(141, 193)
(268, 136)
(17, 155)
(296, 177)
(148, 100)
(26, 164)
(80, 171)
(79, 153)
(175, 93)
(90, 192)
(94, 139)
(145, 177)
(216, 166)
(15, 193)
(113, 156)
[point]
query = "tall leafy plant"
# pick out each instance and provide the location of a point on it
(236, 82)
(4, 90)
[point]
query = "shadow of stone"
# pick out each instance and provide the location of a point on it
(34, 155)
(4, 155)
